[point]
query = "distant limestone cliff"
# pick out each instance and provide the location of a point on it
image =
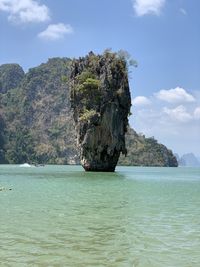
(37, 125)
(188, 160)
(101, 102)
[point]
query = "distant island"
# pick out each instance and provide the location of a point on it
(36, 123)
(188, 160)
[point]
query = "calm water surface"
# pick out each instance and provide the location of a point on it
(62, 216)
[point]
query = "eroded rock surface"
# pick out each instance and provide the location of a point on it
(11, 76)
(100, 100)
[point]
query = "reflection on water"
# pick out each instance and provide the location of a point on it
(62, 216)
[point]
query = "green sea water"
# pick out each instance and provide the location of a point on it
(63, 216)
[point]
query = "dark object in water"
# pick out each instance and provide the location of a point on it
(5, 189)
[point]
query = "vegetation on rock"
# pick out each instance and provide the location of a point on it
(146, 152)
(10, 77)
(100, 112)
(36, 123)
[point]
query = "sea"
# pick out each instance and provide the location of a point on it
(63, 216)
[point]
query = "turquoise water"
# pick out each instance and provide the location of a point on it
(62, 216)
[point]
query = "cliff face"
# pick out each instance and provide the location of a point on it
(10, 76)
(39, 126)
(145, 151)
(100, 99)
(36, 123)
(2, 140)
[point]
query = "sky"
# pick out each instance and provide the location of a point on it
(161, 35)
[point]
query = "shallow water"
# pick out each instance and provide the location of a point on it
(62, 216)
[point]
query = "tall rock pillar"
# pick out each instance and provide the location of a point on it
(100, 101)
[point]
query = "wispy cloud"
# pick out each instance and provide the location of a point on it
(56, 31)
(197, 113)
(25, 11)
(183, 11)
(176, 95)
(141, 101)
(145, 7)
(178, 113)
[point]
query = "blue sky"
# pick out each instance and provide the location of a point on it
(162, 35)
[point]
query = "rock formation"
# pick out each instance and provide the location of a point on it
(10, 77)
(100, 100)
(37, 126)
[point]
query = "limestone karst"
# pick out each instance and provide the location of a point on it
(100, 99)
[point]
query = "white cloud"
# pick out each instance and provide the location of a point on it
(56, 31)
(144, 7)
(141, 101)
(179, 113)
(176, 95)
(176, 126)
(24, 11)
(197, 113)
